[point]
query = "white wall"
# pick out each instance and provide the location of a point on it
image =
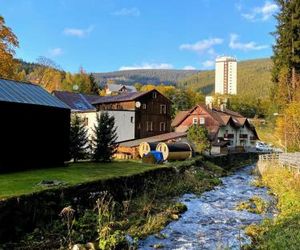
(236, 141)
(125, 127)
(231, 75)
(219, 78)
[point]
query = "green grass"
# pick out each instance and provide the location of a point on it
(283, 231)
(15, 184)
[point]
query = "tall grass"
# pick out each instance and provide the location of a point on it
(282, 232)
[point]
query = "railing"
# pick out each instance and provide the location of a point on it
(290, 160)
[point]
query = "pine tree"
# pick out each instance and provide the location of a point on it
(287, 50)
(94, 89)
(104, 140)
(79, 143)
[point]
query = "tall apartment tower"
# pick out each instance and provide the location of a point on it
(226, 75)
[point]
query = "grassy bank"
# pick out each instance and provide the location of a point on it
(105, 224)
(15, 184)
(282, 232)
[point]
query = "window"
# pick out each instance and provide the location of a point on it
(154, 94)
(202, 120)
(163, 108)
(131, 119)
(144, 106)
(162, 126)
(195, 120)
(149, 126)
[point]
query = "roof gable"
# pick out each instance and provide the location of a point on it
(27, 93)
(77, 101)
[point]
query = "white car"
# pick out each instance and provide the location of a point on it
(263, 147)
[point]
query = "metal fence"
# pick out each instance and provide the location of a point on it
(290, 160)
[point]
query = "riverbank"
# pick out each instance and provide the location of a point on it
(282, 232)
(142, 204)
(136, 205)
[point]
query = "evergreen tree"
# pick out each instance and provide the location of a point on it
(286, 57)
(78, 139)
(94, 89)
(104, 140)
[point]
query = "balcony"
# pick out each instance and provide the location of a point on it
(243, 136)
(228, 136)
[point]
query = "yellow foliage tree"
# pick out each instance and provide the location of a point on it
(8, 43)
(47, 74)
(288, 126)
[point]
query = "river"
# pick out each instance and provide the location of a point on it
(211, 221)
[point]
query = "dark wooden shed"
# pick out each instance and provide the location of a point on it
(34, 127)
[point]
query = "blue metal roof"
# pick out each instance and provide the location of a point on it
(27, 93)
(77, 101)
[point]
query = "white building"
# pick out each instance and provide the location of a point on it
(80, 104)
(226, 76)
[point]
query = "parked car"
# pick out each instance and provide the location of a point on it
(263, 147)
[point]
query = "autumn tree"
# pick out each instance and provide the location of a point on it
(288, 127)
(78, 82)
(46, 74)
(8, 44)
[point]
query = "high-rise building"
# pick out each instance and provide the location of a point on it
(226, 75)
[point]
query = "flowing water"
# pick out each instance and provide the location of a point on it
(211, 221)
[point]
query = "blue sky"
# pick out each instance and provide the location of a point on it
(108, 35)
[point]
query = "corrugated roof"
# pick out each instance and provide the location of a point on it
(27, 93)
(77, 101)
(157, 138)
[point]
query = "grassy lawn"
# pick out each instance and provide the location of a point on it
(14, 184)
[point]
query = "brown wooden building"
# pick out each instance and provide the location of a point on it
(152, 111)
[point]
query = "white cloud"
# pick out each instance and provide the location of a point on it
(127, 12)
(208, 64)
(148, 66)
(189, 67)
(262, 13)
(234, 44)
(202, 46)
(55, 52)
(78, 32)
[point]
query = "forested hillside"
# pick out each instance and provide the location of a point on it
(254, 78)
(153, 76)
